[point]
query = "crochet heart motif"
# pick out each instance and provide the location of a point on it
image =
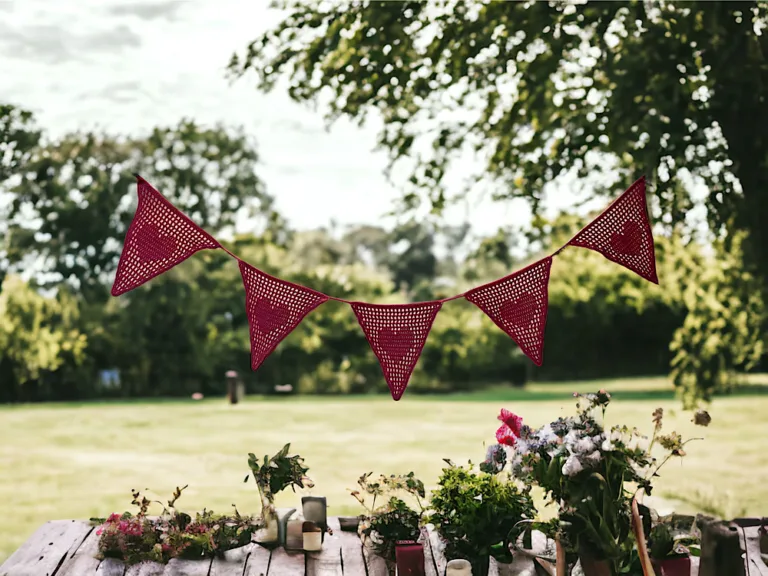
(153, 245)
(268, 316)
(396, 343)
(629, 241)
(519, 312)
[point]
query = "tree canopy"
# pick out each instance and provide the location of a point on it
(539, 89)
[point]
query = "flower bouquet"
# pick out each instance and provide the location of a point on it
(593, 475)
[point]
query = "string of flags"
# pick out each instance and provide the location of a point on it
(161, 236)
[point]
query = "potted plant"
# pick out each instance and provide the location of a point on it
(671, 543)
(272, 476)
(593, 475)
(477, 514)
(135, 538)
(393, 520)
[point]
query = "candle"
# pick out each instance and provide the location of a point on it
(458, 568)
(410, 559)
(315, 509)
(294, 537)
(312, 537)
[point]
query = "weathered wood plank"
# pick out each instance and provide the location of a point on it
(327, 562)
(258, 561)
(352, 559)
(376, 565)
(437, 552)
(145, 569)
(46, 549)
(178, 567)
(111, 567)
(82, 560)
(755, 564)
(430, 568)
(233, 563)
(284, 564)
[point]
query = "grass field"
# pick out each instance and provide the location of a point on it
(81, 460)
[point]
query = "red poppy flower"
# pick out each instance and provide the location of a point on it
(514, 421)
(506, 436)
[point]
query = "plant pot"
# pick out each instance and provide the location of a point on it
(349, 524)
(673, 566)
(520, 566)
(480, 566)
(592, 566)
(410, 559)
(270, 534)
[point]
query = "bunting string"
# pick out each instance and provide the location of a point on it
(161, 236)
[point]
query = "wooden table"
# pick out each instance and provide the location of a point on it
(69, 547)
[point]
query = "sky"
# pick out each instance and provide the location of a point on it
(126, 67)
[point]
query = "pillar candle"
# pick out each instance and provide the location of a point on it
(312, 537)
(410, 559)
(458, 568)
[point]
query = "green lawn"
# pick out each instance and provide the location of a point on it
(82, 460)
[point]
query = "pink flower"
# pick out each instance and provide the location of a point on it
(99, 532)
(509, 431)
(512, 420)
(504, 435)
(113, 518)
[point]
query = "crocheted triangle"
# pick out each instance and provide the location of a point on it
(274, 308)
(159, 237)
(396, 333)
(518, 304)
(623, 233)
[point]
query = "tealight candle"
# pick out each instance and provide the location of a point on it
(312, 536)
(458, 568)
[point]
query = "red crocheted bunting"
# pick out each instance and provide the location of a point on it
(518, 304)
(623, 233)
(396, 333)
(274, 307)
(159, 238)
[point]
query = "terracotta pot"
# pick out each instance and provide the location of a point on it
(594, 567)
(673, 566)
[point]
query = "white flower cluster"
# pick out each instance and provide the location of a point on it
(584, 449)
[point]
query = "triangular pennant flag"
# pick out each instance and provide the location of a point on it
(274, 307)
(623, 233)
(518, 304)
(396, 333)
(159, 238)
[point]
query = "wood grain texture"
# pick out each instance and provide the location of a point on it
(258, 562)
(46, 549)
(233, 562)
(110, 567)
(327, 562)
(437, 552)
(145, 569)
(285, 564)
(430, 567)
(82, 560)
(352, 559)
(177, 567)
(375, 565)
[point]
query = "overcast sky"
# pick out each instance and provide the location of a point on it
(128, 66)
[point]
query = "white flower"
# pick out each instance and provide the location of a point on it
(595, 457)
(572, 466)
(643, 443)
(521, 446)
(607, 446)
(376, 538)
(584, 445)
(571, 438)
(632, 444)
(479, 498)
(546, 434)
(616, 435)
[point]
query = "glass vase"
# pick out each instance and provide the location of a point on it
(271, 531)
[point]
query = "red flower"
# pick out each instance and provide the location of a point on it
(512, 420)
(505, 435)
(509, 432)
